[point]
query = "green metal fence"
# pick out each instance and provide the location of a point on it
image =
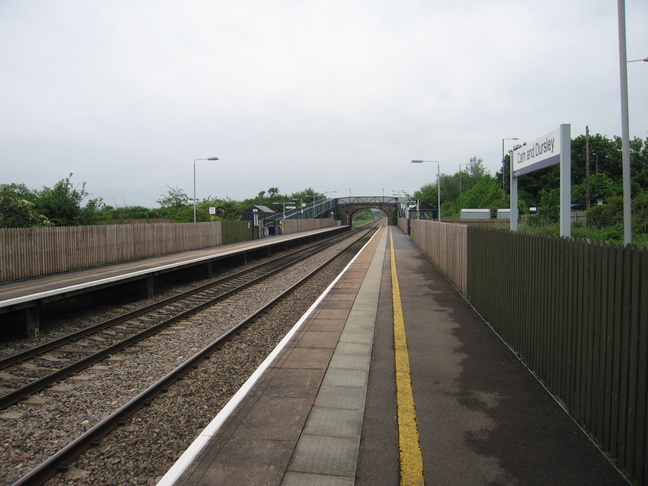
(577, 313)
(236, 231)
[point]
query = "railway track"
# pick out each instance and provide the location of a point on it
(30, 371)
(174, 323)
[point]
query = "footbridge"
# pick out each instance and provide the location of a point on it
(343, 208)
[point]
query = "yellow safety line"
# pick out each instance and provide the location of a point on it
(411, 460)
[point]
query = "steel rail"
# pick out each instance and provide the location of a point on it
(88, 331)
(40, 384)
(59, 461)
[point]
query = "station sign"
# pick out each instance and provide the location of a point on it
(540, 153)
(553, 148)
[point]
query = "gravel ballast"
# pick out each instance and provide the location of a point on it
(140, 451)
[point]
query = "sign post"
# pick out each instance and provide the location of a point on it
(565, 180)
(553, 148)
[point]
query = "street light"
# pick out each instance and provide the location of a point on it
(301, 206)
(503, 176)
(194, 195)
(438, 182)
(625, 129)
(284, 207)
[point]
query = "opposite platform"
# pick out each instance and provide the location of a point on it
(19, 291)
(23, 302)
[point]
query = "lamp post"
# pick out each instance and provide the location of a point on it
(194, 194)
(438, 183)
(301, 206)
(625, 129)
(284, 207)
(503, 176)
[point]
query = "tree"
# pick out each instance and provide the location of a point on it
(640, 214)
(471, 187)
(94, 213)
(427, 194)
(602, 187)
(175, 205)
(127, 213)
(605, 165)
(505, 173)
(476, 167)
(453, 185)
(639, 165)
(56, 206)
(18, 208)
(306, 196)
(226, 209)
(61, 204)
(264, 198)
(485, 193)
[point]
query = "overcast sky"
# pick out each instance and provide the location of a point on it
(336, 95)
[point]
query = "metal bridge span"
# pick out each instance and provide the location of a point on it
(327, 208)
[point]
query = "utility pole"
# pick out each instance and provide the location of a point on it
(587, 169)
(625, 129)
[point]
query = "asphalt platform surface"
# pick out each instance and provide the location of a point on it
(325, 411)
(483, 418)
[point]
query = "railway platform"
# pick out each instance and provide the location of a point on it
(21, 301)
(392, 378)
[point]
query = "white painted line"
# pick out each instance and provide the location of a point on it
(210, 431)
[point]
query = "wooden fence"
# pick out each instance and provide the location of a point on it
(403, 224)
(296, 225)
(445, 245)
(30, 252)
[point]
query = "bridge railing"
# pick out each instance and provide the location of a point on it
(575, 311)
(324, 207)
(313, 210)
